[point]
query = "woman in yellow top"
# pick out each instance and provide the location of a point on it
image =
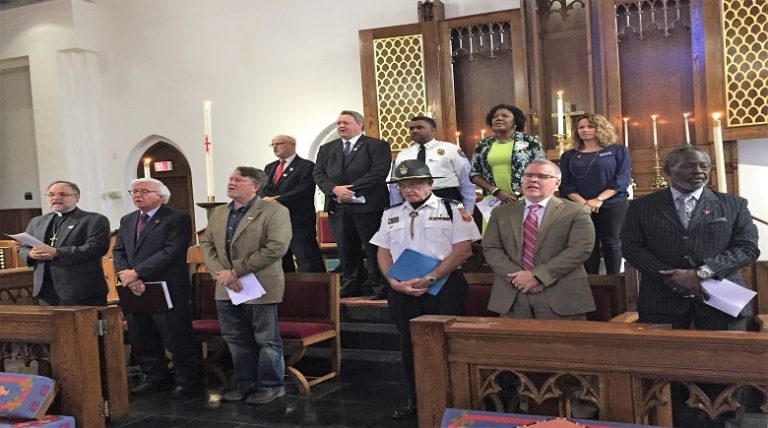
(500, 160)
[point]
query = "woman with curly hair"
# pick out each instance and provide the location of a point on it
(500, 160)
(596, 173)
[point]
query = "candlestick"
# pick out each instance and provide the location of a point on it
(687, 131)
(626, 132)
(457, 138)
(482, 134)
(722, 186)
(146, 167)
(560, 113)
(208, 145)
(655, 134)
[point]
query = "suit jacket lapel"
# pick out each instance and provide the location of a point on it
(66, 227)
(151, 224)
(707, 204)
(551, 215)
(355, 149)
(668, 208)
(516, 225)
(247, 219)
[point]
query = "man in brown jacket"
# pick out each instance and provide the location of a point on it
(250, 236)
(536, 249)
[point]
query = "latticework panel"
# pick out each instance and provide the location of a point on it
(745, 31)
(400, 86)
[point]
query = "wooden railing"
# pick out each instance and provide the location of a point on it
(625, 370)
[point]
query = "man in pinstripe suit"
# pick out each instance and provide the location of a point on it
(719, 239)
(676, 244)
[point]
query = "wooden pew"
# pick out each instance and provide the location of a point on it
(611, 294)
(84, 348)
(624, 369)
(16, 287)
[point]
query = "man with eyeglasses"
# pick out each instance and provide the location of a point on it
(537, 248)
(290, 183)
(67, 267)
(436, 228)
(152, 246)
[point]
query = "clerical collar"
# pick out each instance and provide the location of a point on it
(64, 215)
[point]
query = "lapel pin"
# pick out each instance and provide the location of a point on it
(705, 212)
(71, 226)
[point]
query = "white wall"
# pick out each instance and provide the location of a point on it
(753, 175)
(143, 67)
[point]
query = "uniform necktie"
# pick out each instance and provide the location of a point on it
(422, 155)
(685, 207)
(347, 148)
(279, 172)
(530, 229)
(143, 219)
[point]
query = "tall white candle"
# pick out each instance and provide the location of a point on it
(208, 146)
(457, 138)
(146, 167)
(722, 186)
(687, 131)
(655, 134)
(560, 113)
(626, 132)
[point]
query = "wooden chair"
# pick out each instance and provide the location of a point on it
(325, 239)
(309, 315)
(9, 254)
(108, 265)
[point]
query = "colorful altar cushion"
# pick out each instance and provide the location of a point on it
(25, 396)
(49, 421)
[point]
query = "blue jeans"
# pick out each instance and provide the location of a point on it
(253, 338)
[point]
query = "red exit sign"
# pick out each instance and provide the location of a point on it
(163, 166)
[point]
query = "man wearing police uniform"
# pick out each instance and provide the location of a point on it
(443, 159)
(434, 227)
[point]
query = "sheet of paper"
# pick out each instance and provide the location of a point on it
(252, 289)
(27, 239)
(727, 296)
(487, 205)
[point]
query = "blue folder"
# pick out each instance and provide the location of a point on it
(413, 264)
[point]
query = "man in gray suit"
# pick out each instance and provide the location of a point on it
(67, 268)
(536, 248)
(675, 253)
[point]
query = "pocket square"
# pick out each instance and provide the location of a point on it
(718, 220)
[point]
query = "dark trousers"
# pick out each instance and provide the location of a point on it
(608, 222)
(701, 317)
(150, 334)
(304, 247)
(353, 231)
(451, 300)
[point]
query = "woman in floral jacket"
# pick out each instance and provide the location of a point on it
(500, 160)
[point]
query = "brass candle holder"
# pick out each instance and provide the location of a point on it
(658, 179)
(562, 141)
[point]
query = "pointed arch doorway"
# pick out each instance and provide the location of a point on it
(176, 175)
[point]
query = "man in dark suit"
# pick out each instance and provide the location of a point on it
(290, 182)
(152, 246)
(351, 171)
(718, 239)
(677, 238)
(537, 248)
(67, 268)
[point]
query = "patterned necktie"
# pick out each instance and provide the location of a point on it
(279, 172)
(530, 228)
(422, 155)
(347, 148)
(685, 208)
(143, 219)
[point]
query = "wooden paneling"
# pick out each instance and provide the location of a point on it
(16, 220)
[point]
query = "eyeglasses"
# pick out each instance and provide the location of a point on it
(273, 145)
(141, 192)
(59, 194)
(530, 175)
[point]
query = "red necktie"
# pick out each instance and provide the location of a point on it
(143, 219)
(530, 228)
(279, 172)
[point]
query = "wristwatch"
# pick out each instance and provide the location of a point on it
(430, 279)
(704, 272)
